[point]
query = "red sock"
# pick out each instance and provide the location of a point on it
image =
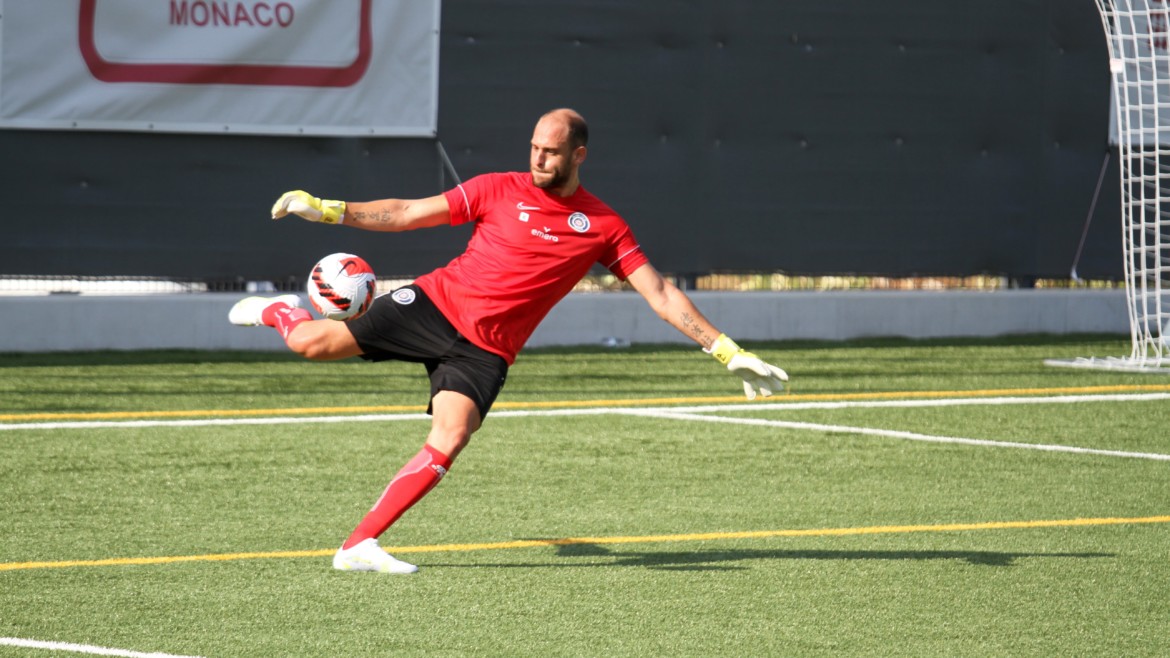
(283, 317)
(414, 481)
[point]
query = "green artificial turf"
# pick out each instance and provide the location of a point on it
(591, 534)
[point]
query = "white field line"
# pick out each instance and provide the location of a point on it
(594, 411)
(939, 402)
(691, 413)
(897, 434)
(82, 648)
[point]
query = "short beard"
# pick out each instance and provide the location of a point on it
(556, 182)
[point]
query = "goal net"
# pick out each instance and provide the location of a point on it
(1138, 37)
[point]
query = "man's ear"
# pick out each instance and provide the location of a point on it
(579, 154)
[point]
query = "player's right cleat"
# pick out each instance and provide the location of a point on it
(248, 312)
(368, 556)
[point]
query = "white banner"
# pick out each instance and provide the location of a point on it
(312, 67)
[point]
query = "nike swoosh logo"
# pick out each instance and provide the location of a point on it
(521, 206)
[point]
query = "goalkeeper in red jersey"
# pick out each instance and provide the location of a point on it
(536, 235)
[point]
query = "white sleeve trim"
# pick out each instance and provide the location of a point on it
(619, 258)
(466, 201)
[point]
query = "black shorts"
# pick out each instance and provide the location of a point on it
(405, 325)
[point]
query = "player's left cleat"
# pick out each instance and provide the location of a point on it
(248, 311)
(368, 556)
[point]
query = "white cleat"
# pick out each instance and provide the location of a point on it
(368, 556)
(247, 311)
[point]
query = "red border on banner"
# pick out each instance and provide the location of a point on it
(230, 74)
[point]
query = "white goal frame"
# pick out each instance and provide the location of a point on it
(1138, 36)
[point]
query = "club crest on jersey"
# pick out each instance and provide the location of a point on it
(579, 222)
(403, 296)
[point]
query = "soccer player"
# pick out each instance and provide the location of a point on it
(537, 233)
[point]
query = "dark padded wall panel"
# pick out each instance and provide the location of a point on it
(104, 204)
(902, 137)
(906, 137)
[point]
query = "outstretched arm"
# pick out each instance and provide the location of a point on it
(673, 305)
(382, 215)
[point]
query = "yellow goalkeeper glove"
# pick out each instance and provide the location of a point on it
(758, 376)
(307, 206)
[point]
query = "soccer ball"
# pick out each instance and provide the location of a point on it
(341, 286)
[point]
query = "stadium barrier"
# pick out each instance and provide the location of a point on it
(55, 323)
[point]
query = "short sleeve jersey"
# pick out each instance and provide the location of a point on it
(527, 251)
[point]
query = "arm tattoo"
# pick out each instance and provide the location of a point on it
(690, 326)
(374, 217)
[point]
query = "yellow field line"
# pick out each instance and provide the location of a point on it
(569, 541)
(575, 404)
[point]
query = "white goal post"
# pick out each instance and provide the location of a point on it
(1138, 36)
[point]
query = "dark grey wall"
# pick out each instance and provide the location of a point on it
(903, 137)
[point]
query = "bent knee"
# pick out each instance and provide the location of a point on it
(455, 418)
(449, 440)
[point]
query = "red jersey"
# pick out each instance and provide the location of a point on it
(527, 251)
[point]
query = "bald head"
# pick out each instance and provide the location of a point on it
(573, 121)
